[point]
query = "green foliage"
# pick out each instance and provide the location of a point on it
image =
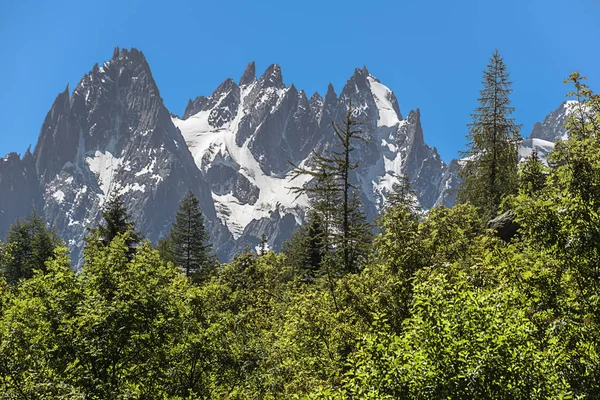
(116, 221)
(490, 170)
(532, 175)
(335, 198)
(307, 248)
(188, 240)
(403, 195)
(441, 310)
(29, 244)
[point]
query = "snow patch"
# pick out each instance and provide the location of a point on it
(59, 196)
(382, 96)
(104, 166)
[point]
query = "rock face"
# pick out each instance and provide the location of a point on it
(20, 193)
(553, 126)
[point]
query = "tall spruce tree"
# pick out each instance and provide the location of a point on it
(116, 221)
(491, 162)
(306, 249)
(332, 193)
(29, 244)
(190, 240)
(532, 174)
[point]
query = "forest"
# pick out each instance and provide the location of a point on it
(426, 304)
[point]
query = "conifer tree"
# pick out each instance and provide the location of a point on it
(189, 238)
(490, 170)
(116, 220)
(332, 192)
(306, 249)
(532, 176)
(29, 244)
(403, 195)
(165, 249)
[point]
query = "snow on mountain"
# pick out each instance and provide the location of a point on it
(244, 137)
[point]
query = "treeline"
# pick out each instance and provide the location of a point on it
(434, 305)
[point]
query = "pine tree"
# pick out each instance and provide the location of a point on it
(306, 249)
(189, 239)
(332, 191)
(117, 221)
(490, 170)
(532, 175)
(29, 244)
(403, 195)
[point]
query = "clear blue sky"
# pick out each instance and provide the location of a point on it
(430, 52)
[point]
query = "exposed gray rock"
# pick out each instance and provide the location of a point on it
(249, 75)
(505, 226)
(194, 106)
(20, 193)
(114, 134)
(553, 126)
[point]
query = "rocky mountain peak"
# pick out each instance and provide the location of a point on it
(249, 75)
(193, 106)
(330, 95)
(272, 77)
(553, 127)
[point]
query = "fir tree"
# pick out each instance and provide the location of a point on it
(490, 170)
(532, 175)
(403, 195)
(306, 249)
(189, 239)
(263, 245)
(332, 191)
(117, 221)
(29, 244)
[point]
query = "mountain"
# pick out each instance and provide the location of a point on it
(244, 137)
(233, 148)
(546, 133)
(114, 135)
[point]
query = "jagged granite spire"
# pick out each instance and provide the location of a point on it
(194, 106)
(272, 77)
(249, 75)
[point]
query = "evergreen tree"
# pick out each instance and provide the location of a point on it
(117, 221)
(490, 170)
(332, 191)
(532, 175)
(29, 244)
(165, 249)
(403, 195)
(306, 249)
(189, 238)
(263, 246)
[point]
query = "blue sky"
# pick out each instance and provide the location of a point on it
(430, 53)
